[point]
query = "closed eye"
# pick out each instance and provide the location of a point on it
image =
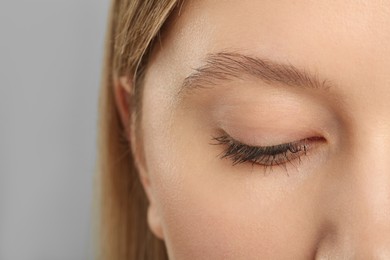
(265, 156)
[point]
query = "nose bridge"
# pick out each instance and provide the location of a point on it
(370, 163)
(370, 197)
(363, 222)
(370, 174)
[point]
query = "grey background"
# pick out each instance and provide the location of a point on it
(50, 65)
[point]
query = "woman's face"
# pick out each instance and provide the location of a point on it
(266, 130)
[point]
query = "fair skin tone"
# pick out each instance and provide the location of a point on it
(331, 198)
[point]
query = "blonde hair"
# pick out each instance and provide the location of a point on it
(124, 234)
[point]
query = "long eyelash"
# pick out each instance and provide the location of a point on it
(266, 156)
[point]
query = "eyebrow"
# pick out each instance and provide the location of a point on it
(226, 66)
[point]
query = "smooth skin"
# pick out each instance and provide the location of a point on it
(331, 203)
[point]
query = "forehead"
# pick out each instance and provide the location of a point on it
(345, 41)
(287, 25)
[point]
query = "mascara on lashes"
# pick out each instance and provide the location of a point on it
(266, 156)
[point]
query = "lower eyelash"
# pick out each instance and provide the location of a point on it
(265, 156)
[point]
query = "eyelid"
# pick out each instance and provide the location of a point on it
(276, 130)
(265, 156)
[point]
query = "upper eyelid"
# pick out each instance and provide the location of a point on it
(228, 139)
(305, 143)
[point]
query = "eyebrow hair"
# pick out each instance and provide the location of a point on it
(226, 66)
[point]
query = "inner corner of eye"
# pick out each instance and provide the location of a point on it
(317, 139)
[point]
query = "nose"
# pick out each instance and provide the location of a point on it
(357, 201)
